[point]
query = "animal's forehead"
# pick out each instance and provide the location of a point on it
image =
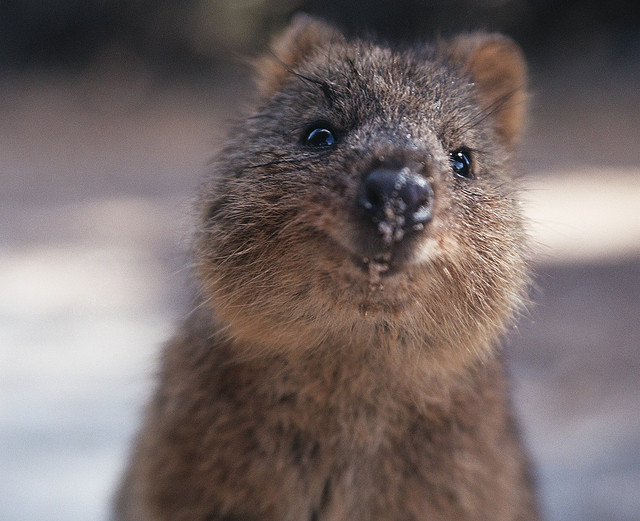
(394, 76)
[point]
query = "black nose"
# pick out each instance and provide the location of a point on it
(397, 197)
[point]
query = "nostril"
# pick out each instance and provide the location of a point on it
(373, 196)
(423, 209)
(424, 197)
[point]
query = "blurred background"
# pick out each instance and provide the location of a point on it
(109, 113)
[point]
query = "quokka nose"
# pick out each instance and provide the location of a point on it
(396, 196)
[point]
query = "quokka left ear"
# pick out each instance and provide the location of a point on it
(304, 35)
(498, 68)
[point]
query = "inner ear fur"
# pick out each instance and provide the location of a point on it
(498, 68)
(304, 35)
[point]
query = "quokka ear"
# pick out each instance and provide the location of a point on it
(304, 35)
(498, 69)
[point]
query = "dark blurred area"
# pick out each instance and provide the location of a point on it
(177, 36)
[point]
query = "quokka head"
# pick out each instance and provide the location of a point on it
(369, 199)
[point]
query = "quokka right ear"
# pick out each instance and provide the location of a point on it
(304, 35)
(498, 69)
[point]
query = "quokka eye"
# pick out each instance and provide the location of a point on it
(319, 135)
(461, 163)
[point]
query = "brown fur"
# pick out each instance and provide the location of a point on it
(321, 377)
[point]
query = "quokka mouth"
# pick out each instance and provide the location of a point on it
(378, 267)
(388, 258)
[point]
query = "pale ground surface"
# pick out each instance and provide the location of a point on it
(96, 178)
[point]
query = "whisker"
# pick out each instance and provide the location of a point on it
(326, 88)
(273, 162)
(487, 112)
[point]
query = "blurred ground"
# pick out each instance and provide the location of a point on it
(97, 171)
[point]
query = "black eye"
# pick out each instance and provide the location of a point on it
(319, 136)
(461, 163)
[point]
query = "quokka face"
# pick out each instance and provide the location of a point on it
(370, 198)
